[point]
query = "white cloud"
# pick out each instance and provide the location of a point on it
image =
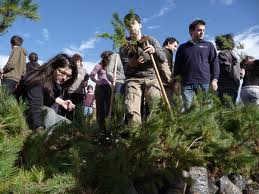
(225, 2)
(26, 35)
(89, 66)
(250, 39)
(3, 60)
(169, 4)
(153, 27)
(45, 34)
(88, 44)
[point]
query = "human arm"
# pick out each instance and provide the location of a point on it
(94, 72)
(35, 97)
(66, 104)
(12, 61)
(214, 67)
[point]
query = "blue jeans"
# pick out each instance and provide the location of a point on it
(250, 95)
(189, 89)
(88, 111)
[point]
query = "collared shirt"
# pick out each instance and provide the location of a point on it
(196, 63)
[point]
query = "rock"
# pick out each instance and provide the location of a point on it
(227, 187)
(199, 178)
(212, 187)
(239, 181)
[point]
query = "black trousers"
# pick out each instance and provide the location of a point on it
(103, 97)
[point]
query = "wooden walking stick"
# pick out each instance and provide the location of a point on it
(114, 73)
(145, 41)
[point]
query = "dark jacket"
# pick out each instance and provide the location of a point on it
(251, 74)
(37, 97)
(229, 76)
(169, 56)
(196, 63)
(146, 69)
(31, 66)
(15, 67)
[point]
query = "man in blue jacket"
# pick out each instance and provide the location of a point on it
(196, 64)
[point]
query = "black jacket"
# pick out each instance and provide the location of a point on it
(36, 97)
(251, 74)
(229, 76)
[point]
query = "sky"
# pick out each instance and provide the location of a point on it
(73, 26)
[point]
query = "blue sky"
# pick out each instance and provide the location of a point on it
(72, 26)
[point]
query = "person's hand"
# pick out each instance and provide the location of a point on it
(135, 61)
(68, 105)
(150, 49)
(214, 84)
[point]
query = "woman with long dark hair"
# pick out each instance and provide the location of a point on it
(43, 88)
(102, 89)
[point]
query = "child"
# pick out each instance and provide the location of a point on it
(88, 101)
(15, 67)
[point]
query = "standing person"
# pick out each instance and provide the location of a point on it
(169, 46)
(138, 68)
(230, 71)
(88, 101)
(196, 64)
(250, 87)
(102, 89)
(120, 76)
(76, 91)
(42, 90)
(33, 63)
(15, 67)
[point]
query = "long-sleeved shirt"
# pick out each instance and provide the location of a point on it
(146, 69)
(229, 76)
(120, 76)
(89, 99)
(78, 86)
(15, 67)
(251, 77)
(196, 63)
(101, 75)
(36, 98)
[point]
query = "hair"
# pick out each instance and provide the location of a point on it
(170, 40)
(16, 40)
(90, 86)
(76, 57)
(105, 58)
(130, 18)
(224, 42)
(33, 56)
(44, 74)
(195, 23)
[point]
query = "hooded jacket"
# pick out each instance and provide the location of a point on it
(15, 67)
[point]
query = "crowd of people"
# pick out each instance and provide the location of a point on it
(56, 90)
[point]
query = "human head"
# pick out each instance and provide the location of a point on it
(105, 55)
(197, 29)
(90, 88)
(225, 42)
(78, 60)
(171, 43)
(133, 24)
(16, 40)
(33, 56)
(60, 69)
(63, 69)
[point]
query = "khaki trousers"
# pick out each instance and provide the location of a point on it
(133, 93)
